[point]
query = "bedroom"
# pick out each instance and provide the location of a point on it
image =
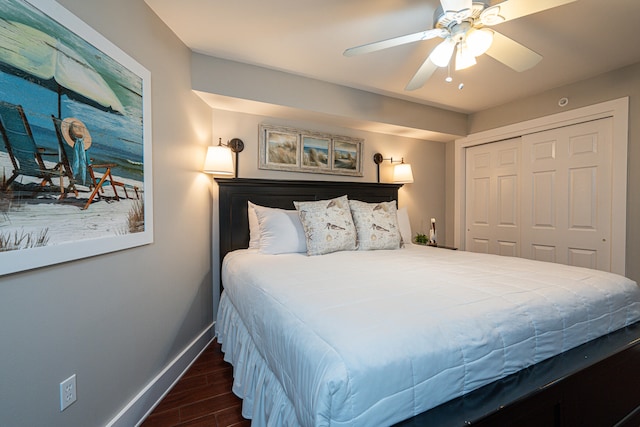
(124, 323)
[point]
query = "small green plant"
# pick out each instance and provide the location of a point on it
(422, 239)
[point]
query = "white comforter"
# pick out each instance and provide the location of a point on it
(371, 338)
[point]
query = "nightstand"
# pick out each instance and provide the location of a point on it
(446, 247)
(437, 246)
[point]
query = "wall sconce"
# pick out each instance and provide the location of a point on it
(402, 173)
(219, 160)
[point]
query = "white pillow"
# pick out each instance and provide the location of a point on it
(405, 226)
(376, 224)
(328, 225)
(281, 231)
(254, 226)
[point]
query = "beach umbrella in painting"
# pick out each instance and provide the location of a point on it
(35, 55)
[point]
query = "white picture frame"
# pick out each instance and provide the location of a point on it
(117, 113)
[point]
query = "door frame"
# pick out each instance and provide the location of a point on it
(618, 109)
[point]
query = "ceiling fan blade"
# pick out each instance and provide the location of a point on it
(456, 5)
(512, 9)
(511, 53)
(396, 41)
(422, 75)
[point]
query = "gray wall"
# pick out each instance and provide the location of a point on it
(261, 85)
(615, 84)
(424, 198)
(116, 320)
(243, 96)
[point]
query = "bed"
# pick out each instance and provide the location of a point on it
(418, 335)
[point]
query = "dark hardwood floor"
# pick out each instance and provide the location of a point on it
(202, 397)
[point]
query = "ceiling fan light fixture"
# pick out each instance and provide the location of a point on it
(464, 58)
(478, 41)
(442, 53)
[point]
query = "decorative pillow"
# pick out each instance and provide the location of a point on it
(328, 225)
(254, 226)
(376, 224)
(404, 225)
(281, 231)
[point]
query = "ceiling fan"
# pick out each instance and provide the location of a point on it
(463, 26)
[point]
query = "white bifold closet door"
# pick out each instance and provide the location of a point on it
(493, 198)
(544, 196)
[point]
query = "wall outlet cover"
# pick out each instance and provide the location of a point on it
(67, 392)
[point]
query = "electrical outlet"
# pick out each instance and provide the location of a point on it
(67, 392)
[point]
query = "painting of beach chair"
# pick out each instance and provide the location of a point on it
(26, 157)
(74, 140)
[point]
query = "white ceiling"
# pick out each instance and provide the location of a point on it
(307, 37)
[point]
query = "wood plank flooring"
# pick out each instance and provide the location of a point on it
(202, 397)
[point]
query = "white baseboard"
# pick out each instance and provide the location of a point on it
(150, 396)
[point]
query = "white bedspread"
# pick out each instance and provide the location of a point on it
(371, 338)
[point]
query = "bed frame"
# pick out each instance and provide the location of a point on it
(596, 384)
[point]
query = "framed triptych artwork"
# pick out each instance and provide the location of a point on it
(297, 150)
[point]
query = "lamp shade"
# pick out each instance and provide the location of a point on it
(442, 53)
(402, 173)
(479, 40)
(464, 57)
(219, 161)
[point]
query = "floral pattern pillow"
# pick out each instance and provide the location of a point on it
(376, 225)
(328, 225)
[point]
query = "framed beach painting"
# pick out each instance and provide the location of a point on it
(316, 150)
(347, 156)
(75, 156)
(279, 148)
(299, 150)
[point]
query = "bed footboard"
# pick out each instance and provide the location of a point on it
(595, 384)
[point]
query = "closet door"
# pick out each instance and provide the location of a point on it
(493, 201)
(566, 195)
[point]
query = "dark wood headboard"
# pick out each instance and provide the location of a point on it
(234, 194)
